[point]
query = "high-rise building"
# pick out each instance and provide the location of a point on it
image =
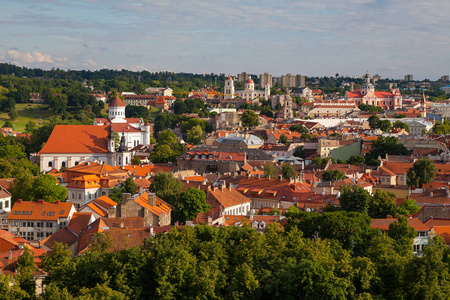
(288, 80)
(242, 77)
(300, 81)
(445, 78)
(409, 77)
(264, 79)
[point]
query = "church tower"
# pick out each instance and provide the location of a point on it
(111, 140)
(123, 156)
(229, 88)
(367, 87)
(117, 111)
(250, 85)
(423, 108)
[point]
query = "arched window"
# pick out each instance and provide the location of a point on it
(50, 164)
(79, 196)
(120, 160)
(73, 195)
(103, 194)
(76, 163)
(126, 160)
(63, 165)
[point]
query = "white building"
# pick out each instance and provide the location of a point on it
(5, 207)
(249, 93)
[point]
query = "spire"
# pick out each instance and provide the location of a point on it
(123, 146)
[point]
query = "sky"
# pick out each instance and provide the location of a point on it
(391, 38)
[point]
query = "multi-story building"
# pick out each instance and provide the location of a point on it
(288, 80)
(230, 201)
(445, 78)
(409, 77)
(138, 100)
(300, 81)
(242, 77)
(265, 79)
(35, 220)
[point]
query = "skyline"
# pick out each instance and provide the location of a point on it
(312, 38)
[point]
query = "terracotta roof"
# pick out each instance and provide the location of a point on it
(437, 222)
(77, 139)
(116, 102)
(225, 197)
(160, 207)
(9, 241)
(198, 178)
(144, 170)
(444, 232)
(383, 224)
(40, 210)
(385, 171)
(124, 127)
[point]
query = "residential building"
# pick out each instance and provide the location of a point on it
(99, 207)
(265, 79)
(325, 146)
(138, 100)
(36, 220)
(153, 209)
(230, 201)
(422, 231)
(289, 80)
(409, 77)
(445, 78)
(242, 77)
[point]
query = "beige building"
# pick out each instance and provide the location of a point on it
(264, 79)
(249, 93)
(242, 77)
(325, 146)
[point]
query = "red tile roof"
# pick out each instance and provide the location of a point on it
(226, 197)
(77, 139)
(40, 210)
(383, 224)
(116, 102)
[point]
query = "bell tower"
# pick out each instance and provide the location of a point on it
(229, 88)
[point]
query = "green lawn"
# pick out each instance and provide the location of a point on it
(153, 113)
(27, 112)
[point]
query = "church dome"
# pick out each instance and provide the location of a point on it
(230, 78)
(116, 102)
(249, 81)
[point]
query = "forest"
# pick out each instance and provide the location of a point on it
(343, 258)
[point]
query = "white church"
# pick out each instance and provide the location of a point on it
(70, 145)
(249, 92)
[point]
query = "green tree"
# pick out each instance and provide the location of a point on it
(25, 268)
(30, 127)
(167, 137)
(332, 175)
(9, 290)
(191, 202)
(194, 135)
(283, 139)
(299, 152)
(270, 170)
(162, 154)
(59, 265)
(22, 185)
(422, 171)
(383, 146)
(408, 207)
(8, 124)
(45, 187)
(354, 199)
(400, 124)
(356, 160)
(166, 187)
(383, 203)
(249, 119)
(374, 122)
(403, 234)
(136, 160)
(130, 186)
(288, 171)
(385, 126)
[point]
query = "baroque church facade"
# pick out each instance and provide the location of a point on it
(249, 93)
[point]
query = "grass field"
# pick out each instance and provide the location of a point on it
(154, 112)
(27, 111)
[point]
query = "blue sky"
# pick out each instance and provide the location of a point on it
(312, 38)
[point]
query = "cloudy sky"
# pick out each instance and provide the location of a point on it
(313, 38)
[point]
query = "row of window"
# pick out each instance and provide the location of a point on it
(30, 235)
(31, 224)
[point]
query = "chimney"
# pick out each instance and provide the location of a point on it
(233, 175)
(150, 228)
(258, 176)
(19, 201)
(209, 220)
(249, 174)
(251, 214)
(229, 186)
(57, 201)
(125, 197)
(40, 201)
(122, 225)
(280, 177)
(221, 187)
(152, 199)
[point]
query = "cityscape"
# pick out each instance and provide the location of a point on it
(194, 150)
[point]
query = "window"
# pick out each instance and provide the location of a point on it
(73, 195)
(79, 196)
(43, 213)
(49, 225)
(30, 224)
(63, 165)
(1, 205)
(24, 224)
(61, 212)
(50, 164)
